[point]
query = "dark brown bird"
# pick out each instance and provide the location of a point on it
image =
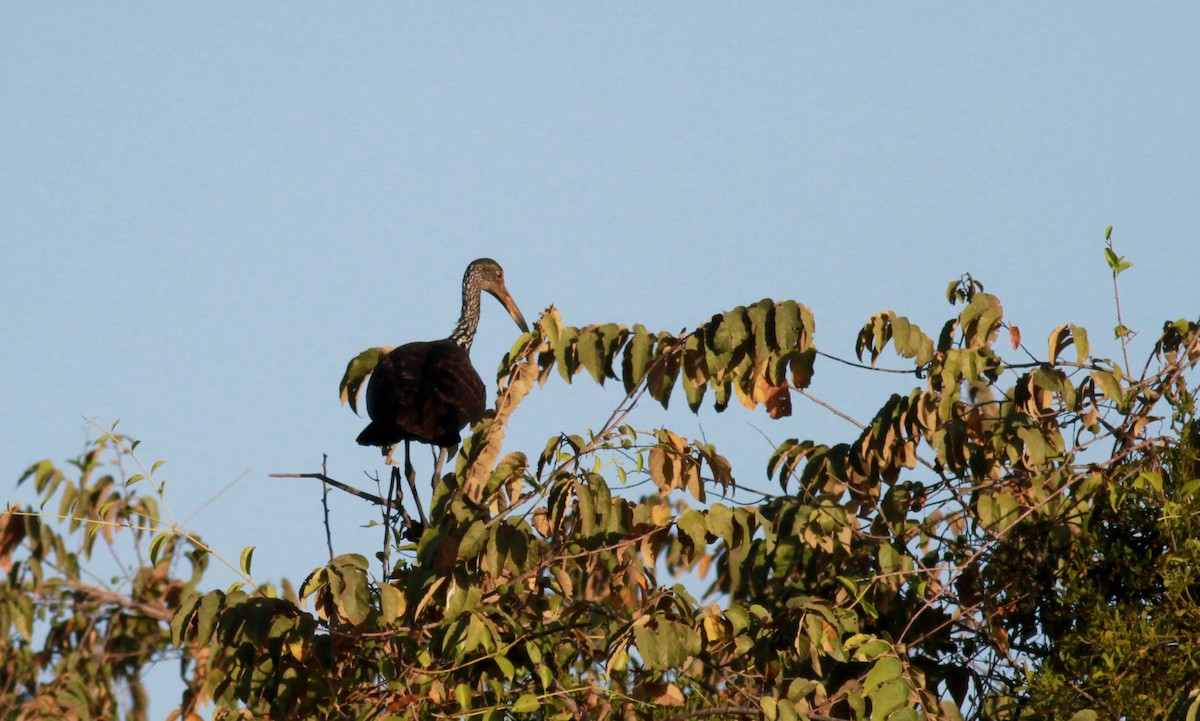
(429, 391)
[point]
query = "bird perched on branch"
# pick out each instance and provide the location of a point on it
(428, 391)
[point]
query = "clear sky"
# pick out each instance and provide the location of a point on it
(206, 210)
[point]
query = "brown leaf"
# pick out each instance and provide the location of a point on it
(11, 534)
(778, 400)
(1014, 336)
(663, 470)
(662, 694)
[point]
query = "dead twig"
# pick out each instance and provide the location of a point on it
(370, 497)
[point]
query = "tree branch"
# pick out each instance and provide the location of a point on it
(731, 710)
(371, 497)
(104, 595)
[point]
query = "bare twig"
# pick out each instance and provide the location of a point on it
(224, 489)
(852, 364)
(325, 504)
(104, 595)
(829, 408)
(732, 711)
(385, 557)
(370, 497)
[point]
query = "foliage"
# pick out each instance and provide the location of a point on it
(1006, 539)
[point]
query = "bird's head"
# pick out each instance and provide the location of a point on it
(486, 274)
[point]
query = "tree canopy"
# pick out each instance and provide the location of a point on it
(1014, 536)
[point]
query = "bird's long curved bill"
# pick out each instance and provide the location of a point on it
(511, 306)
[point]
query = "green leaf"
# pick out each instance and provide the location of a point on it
(1117, 263)
(719, 519)
(890, 560)
(392, 604)
(1084, 715)
(1149, 478)
(692, 526)
(156, 545)
(357, 371)
(1109, 383)
(738, 618)
(695, 371)
(665, 369)
(888, 698)
(787, 324)
(183, 614)
(351, 560)
(638, 354)
(315, 581)
(884, 670)
(787, 711)
(591, 354)
(473, 540)
(769, 708)
(566, 353)
(506, 667)
(910, 341)
(762, 321)
(476, 630)
(23, 617)
(246, 559)
(348, 584)
(874, 335)
(462, 694)
(612, 337)
(1083, 349)
(587, 510)
(667, 646)
(206, 616)
(526, 703)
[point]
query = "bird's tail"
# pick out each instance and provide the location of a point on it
(378, 434)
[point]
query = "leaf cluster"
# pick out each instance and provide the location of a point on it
(1004, 539)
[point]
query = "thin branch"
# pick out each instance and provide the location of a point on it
(1125, 332)
(732, 711)
(325, 504)
(370, 497)
(829, 408)
(864, 366)
(385, 557)
(104, 595)
(224, 489)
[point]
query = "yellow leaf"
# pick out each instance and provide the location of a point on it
(392, 603)
(714, 628)
(298, 649)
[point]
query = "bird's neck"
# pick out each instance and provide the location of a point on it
(464, 332)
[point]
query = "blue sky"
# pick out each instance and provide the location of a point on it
(205, 211)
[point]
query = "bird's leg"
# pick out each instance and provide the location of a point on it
(411, 476)
(437, 465)
(389, 513)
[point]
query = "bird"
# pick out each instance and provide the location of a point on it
(428, 391)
